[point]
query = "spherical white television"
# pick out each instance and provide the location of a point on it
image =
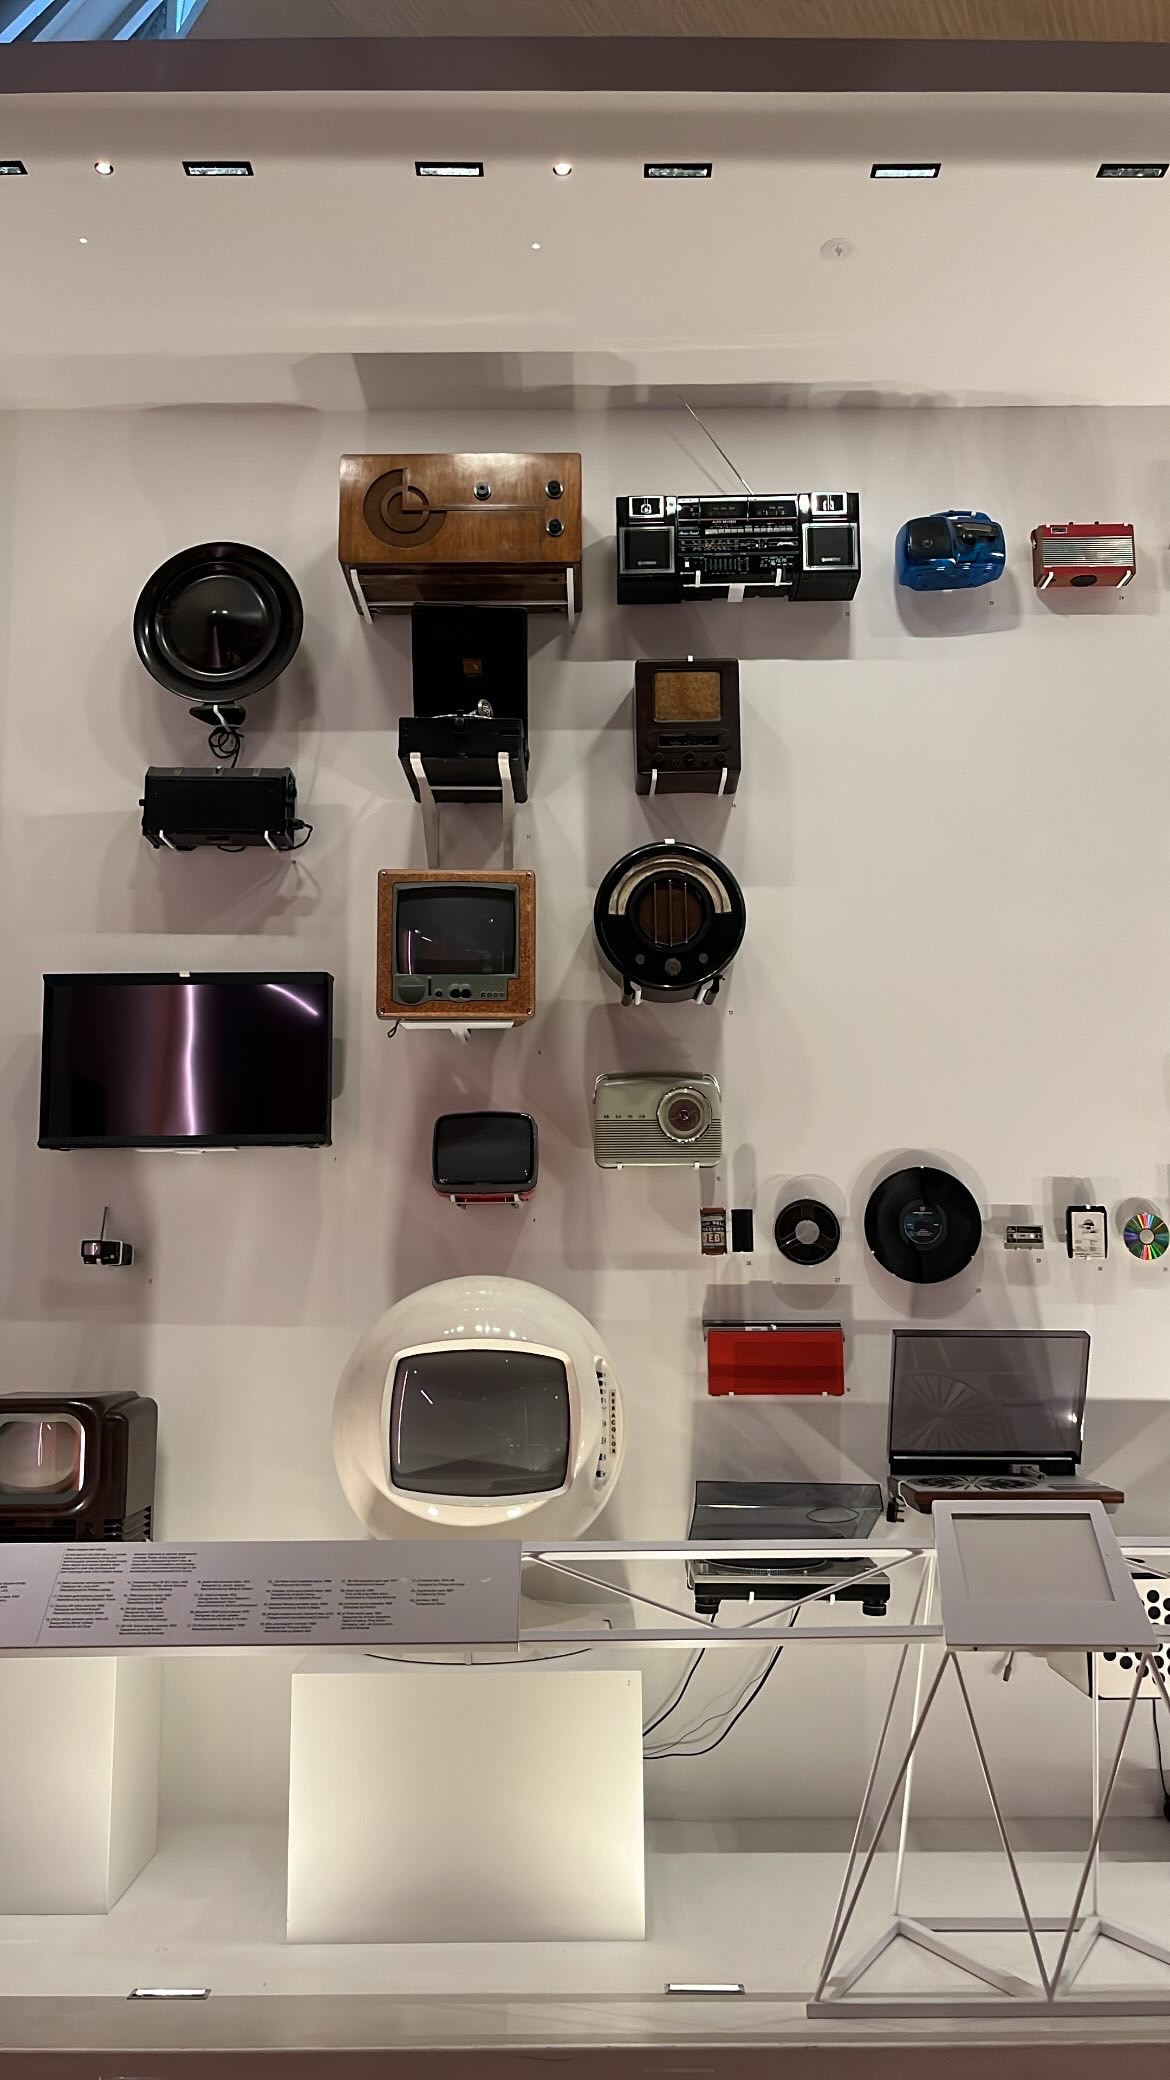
(480, 1405)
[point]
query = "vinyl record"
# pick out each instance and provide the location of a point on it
(806, 1232)
(1146, 1235)
(922, 1225)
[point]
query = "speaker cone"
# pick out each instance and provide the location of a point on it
(218, 620)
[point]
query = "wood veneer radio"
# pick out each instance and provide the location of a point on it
(456, 949)
(502, 530)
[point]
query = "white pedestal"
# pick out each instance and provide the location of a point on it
(465, 1805)
(78, 1780)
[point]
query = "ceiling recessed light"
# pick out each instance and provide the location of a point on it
(218, 169)
(103, 166)
(536, 245)
(10, 168)
(83, 241)
(1132, 170)
(562, 168)
(449, 169)
(677, 170)
(924, 170)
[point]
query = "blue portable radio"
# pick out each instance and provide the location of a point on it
(949, 552)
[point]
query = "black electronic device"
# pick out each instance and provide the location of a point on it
(187, 1061)
(77, 1466)
(470, 667)
(807, 1232)
(668, 921)
(989, 1412)
(774, 545)
(686, 725)
(105, 1251)
(226, 806)
(922, 1225)
(216, 623)
(485, 1156)
(763, 1511)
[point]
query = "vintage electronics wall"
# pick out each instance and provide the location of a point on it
(951, 834)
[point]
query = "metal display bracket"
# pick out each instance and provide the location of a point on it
(430, 809)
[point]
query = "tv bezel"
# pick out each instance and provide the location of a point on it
(152, 1142)
(519, 999)
(482, 884)
(52, 1502)
(426, 1502)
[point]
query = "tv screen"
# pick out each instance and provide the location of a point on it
(40, 1457)
(1018, 1394)
(457, 930)
(199, 1061)
(480, 1421)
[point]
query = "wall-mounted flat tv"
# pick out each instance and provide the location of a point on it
(187, 1061)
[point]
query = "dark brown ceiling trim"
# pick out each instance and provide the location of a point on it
(561, 64)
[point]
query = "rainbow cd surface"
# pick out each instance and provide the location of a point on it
(1146, 1235)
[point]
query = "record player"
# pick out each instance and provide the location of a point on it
(989, 1412)
(819, 1511)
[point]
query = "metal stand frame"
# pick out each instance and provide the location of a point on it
(1054, 1989)
(430, 809)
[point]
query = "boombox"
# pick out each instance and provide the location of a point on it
(686, 726)
(777, 545)
(481, 529)
(949, 552)
(1084, 552)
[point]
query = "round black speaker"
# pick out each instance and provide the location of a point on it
(668, 921)
(807, 1232)
(922, 1225)
(217, 622)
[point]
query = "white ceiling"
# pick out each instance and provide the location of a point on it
(335, 278)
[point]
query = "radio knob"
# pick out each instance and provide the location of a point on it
(483, 490)
(554, 488)
(554, 527)
(673, 967)
(689, 759)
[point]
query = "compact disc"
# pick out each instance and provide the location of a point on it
(1146, 1235)
(922, 1225)
(806, 1232)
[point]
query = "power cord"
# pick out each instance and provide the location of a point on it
(681, 1753)
(225, 744)
(688, 1679)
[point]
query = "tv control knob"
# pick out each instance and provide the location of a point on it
(673, 967)
(554, 526)
(483, 490)
(554, 488)
(689, 759)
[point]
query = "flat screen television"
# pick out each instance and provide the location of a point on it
(187, 1061)
(456, 946)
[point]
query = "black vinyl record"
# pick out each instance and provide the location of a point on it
(922, 1225)
(806, 1232)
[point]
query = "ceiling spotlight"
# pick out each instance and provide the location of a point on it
(83, 241)
(103, 166)
(536, 245)
(924, 170)
(449, 169)
(562, 168)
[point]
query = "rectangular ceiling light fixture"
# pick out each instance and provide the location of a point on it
(1132, 170)
(926, 170)
(449, 169)
(677, 170)
(10, 168)
(218, 169)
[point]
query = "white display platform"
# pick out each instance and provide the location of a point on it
(79, 1786)
(457, 1805)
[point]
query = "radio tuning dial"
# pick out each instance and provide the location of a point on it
(554, 527)
(554, 488)
(483, 490)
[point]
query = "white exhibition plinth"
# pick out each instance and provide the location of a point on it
(79, 1787)
(464, 1804)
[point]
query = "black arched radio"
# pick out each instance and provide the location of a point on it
(669, 920)
(216, 623)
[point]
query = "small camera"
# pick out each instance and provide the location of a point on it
(657, 1121)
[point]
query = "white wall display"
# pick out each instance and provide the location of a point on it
(948, 836)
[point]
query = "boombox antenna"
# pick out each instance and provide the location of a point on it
(714, 443)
